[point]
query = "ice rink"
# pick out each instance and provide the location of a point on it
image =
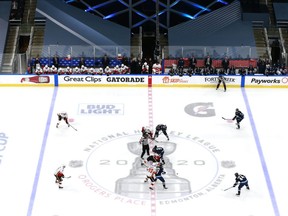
(102, 156)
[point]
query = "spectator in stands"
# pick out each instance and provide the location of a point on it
(55, 61)
(275, 51)
(173, 70)
(198, 71)
(225, 64)
(125, 60)
(14, 10)
(208, 62)
(134, 66)
(150, 63)
(232, 70)
(105, 61)
(261, 66)
(139, 65)
(192, 63)
(242, 71)
(251, 70)
(36, 63)
(81, 62)
(180, 66)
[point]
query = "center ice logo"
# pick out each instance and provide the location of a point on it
(192, 168)
(101, 109)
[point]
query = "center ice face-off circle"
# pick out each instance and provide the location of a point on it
(190, 167)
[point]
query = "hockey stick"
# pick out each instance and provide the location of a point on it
(67, 177)
(72, 127)
(228, 188)
(228, 120)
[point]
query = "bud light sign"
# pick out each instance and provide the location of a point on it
(101, 109)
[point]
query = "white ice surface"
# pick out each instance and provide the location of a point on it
(101, 144)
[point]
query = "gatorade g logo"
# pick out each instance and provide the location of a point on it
(200, 109)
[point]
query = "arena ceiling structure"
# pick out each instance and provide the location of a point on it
(136, 13)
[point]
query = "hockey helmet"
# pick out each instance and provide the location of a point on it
(157, 157)
(236, 174)
(154, 148)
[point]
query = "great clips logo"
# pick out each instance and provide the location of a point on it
(201, 109)
(101, 109)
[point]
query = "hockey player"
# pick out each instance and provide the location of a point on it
(151, 162)
(59, 175)
(62, 116)
(69, 71)
(221, 79)
(100, 71)
(163, 128)
(83, 69)
(159, 151)
(46, 69)
(242, 180)
(116, 70)
(239, 116)
(155, 172)
(158, 175)
(144, 141)
(151, 171)
(146, 130)
(156, 68)
(38, 71)
(173, 70)
(54, 69)
(124, 69)
(107, 71)
(77, 70)
(145, 68)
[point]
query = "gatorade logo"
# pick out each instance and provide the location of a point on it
(201, 109)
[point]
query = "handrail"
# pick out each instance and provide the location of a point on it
(267, 44)
(282, 40)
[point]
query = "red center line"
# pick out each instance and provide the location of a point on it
(151, 125)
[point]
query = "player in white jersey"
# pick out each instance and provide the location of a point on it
(62, 116)
(157, 68)
(59, 175)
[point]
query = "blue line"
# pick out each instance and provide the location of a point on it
(40, 160)
(261, 155)
(56, 81)
(242, 81)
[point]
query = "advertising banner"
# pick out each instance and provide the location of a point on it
(27, 80)
(194, 81)
(99, 81)
(266, 81)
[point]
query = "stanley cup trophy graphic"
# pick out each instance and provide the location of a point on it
(133, 186)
